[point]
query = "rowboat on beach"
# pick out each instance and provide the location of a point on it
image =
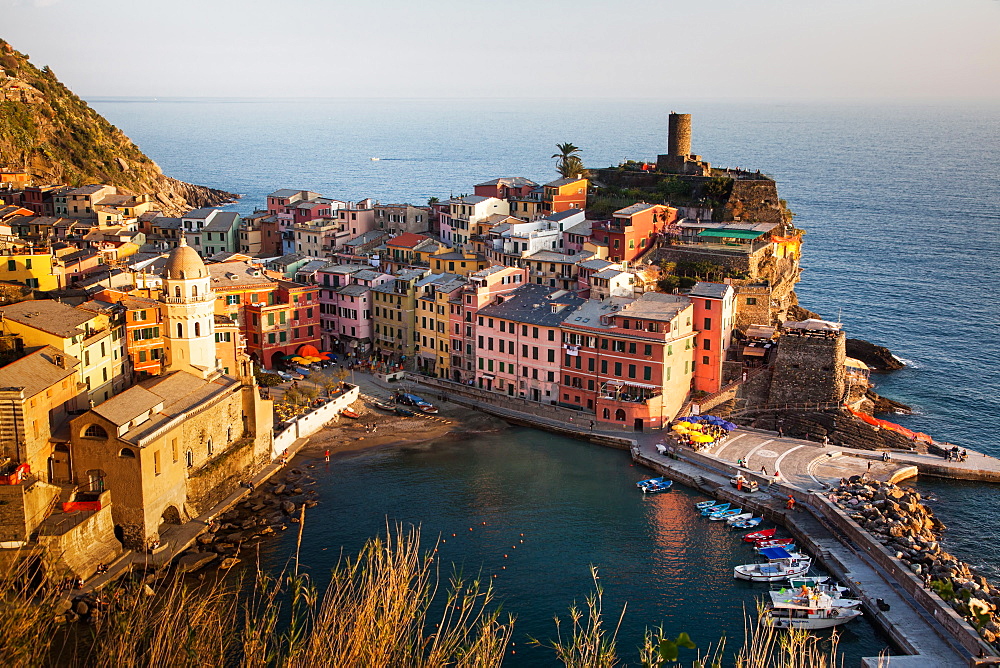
(348, 413)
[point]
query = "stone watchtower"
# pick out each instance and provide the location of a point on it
(679, 159)
(809, 365)
(188, 306)
(679, 137)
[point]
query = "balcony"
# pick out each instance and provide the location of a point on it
(623, 391)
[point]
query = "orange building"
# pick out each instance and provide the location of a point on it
(632, 230)
(144, 331)
(237, 285)
(714, 308)
(564, 194)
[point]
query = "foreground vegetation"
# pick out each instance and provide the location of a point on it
(386, 607)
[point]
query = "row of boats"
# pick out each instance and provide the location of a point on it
(799, 600)
(734, 517)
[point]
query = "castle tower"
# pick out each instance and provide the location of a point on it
(188, 306)
(679, 137)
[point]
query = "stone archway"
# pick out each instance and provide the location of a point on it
(276, 359)
(170, 516)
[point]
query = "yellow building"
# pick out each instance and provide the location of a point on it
(451, 261)
(96, 339)
(37, 393)
(431, 322)
(33, 269)
(393, 315)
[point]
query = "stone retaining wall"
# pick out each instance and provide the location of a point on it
(958, 629)
(311, 422)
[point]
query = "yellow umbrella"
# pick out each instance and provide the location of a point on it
(701, 438)
(680, 427)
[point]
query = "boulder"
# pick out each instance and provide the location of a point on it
(81, 607)
(279, 489)
(192, 562)
(288, 507)
(205, 538)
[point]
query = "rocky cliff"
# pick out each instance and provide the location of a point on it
(57, 138)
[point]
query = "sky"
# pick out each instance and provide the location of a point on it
(720, 50)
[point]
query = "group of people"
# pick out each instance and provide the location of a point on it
(955, 455)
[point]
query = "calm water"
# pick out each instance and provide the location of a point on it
(653, 552)
(901, 204)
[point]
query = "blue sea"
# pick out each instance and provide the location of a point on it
(901, 204)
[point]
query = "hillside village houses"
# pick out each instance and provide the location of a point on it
(131, 339)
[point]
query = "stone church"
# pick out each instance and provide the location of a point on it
(172, 446)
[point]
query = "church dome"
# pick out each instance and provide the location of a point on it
(184, 262)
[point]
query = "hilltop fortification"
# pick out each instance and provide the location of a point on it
(57, 138)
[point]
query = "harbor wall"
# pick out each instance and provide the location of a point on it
(311, 422)
(958, 629)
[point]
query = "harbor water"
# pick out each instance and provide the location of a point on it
(576, 505)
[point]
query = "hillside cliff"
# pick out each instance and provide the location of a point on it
(55, 136)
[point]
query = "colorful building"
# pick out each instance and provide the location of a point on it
(629, 362)
(393, 316)
(563, 194)
(519, 342)
(633, 230)
(33, 269)
(434, 294)
(283, 326)
(714, 311)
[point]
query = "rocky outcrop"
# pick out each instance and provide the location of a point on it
(898, 519)
(881, 404)
(878, 358)
(841, 427)
(57, 138)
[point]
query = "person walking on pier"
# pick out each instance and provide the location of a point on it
(763, 470)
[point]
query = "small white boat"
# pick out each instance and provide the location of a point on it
(725, 514)
(808, 609)
(374, 159)
(735, 519)
(780, 565)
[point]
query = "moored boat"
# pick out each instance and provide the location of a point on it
(662, 486)
(748, 524)
(717, 508)
(725, 514)
(780, 566)
(736, 519)
(808, 609)
(833, 590)
(650, 481)
(701, 505)
(758, 535)
(774, 542)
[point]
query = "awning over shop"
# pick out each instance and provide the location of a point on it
(754, 352)
(731, 234)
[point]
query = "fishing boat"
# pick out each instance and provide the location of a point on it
(416, 402)
(725, 514)
(818, 583)
(348, 413)
(650, 481)
(760, 535)
(662, 486)
(736, 519)
(747, 524)
(399, 410)
(718, 508)
(701, 505)
(383, 406)
(780, 565)
(807, 609)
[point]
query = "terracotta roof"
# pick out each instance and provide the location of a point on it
(407, 240)
(38, 371)
(49, 316)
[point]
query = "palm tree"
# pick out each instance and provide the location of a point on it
(432, 201)
(570, 163)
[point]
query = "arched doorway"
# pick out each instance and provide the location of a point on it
(276, 359)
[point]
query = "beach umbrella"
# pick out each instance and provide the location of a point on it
(701, 438)
(680, 428)
(728, 426)
(287, 357)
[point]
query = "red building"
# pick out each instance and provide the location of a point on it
(285, 326)
(629, 362)
(632, 230)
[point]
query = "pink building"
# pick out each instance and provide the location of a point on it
(483, 289)
(346, 308)
(519, 342)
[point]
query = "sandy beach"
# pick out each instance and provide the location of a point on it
(350, 435)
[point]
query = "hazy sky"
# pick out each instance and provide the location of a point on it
(732, 49)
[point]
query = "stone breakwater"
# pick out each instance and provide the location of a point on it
(898, 519)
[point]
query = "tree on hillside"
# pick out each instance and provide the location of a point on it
(570, 163)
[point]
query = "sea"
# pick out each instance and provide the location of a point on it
(901, 207)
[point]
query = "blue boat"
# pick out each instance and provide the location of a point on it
(718, 508)
(749, 524)
(725, 514)
(651, 481)
(701, 505)
(658, 487)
